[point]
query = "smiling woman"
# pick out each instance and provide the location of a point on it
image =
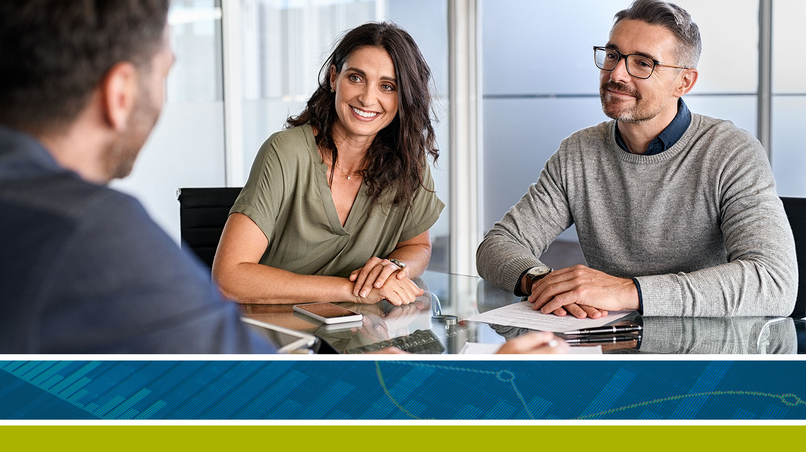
(338, 206)
(366, 95)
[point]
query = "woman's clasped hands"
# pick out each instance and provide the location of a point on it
(381, 279)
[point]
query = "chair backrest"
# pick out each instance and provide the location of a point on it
(202, 215)
(796, 212)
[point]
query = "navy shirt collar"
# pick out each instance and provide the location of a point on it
(670, 135)
(22, 149)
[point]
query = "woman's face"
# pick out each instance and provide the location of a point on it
(366, 92)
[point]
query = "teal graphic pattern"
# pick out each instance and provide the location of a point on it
(402, 390)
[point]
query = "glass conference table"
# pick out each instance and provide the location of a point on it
(436, 323)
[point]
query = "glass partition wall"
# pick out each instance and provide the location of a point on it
(186, 148)
(789, 97)
(540, 83)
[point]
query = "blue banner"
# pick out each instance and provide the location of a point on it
(403, 390)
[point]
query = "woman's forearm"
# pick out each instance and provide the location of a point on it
(260, 284)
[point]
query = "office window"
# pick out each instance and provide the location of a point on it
(540, 83)
(727, 87)
(186, 148)
(284, 44)
(789, 97)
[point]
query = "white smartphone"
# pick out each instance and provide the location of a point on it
(327, 312)
(336, 327)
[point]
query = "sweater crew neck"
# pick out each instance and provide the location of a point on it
(641, 159)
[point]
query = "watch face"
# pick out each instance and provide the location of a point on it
(538, 272)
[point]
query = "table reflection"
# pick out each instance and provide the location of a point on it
(435, 323)
(678, 335)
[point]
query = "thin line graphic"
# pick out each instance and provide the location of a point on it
(389, 395)
(797, 400)
(507, 376)
(502, 375)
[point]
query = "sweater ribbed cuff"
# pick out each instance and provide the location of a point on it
(640, 297)
(513, 271)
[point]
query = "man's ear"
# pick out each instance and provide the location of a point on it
(119, 93)
(687, 80)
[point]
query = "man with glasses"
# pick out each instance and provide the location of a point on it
(677, 213)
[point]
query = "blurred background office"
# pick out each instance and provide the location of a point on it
(512, 78)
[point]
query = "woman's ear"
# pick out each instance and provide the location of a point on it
(333, 76)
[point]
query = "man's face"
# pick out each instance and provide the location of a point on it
(629, 99)
(121, 155)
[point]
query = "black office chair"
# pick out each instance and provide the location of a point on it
(796, 212)
(202, 215)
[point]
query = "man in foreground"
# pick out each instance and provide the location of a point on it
(85, 270)
(677, 214)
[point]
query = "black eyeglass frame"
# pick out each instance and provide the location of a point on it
(621, 56)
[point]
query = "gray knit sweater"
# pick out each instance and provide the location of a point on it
(700, 225)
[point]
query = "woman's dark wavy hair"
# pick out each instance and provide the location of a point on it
(398, 153)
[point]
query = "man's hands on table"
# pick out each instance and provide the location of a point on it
(582, 292)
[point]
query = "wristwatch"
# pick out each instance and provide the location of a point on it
(538, 272)
(397, 262)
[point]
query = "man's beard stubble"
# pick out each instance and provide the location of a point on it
(122, 153)
(628, 116)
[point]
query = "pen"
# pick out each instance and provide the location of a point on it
(607, 329)
(602, 340)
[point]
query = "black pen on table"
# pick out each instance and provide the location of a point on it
(602, 339)
(613, 329)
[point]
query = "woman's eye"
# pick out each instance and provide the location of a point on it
(354, 78)
(387, 87)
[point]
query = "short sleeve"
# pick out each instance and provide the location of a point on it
(262, 196)
(425, 209)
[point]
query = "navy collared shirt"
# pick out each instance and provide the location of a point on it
(670, 134)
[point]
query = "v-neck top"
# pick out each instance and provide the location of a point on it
(288, 197)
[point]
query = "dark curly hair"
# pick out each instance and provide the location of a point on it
(397, 156)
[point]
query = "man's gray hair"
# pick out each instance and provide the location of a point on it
(674, 19)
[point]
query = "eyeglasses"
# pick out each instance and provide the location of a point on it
(638, 66)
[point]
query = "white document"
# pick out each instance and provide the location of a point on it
(475, 348)
(522, 315)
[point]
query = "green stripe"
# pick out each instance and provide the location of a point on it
(394, 438)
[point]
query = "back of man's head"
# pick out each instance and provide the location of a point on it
(673, 18)
(56, 52)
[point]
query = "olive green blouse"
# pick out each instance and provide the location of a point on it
(288, 197)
